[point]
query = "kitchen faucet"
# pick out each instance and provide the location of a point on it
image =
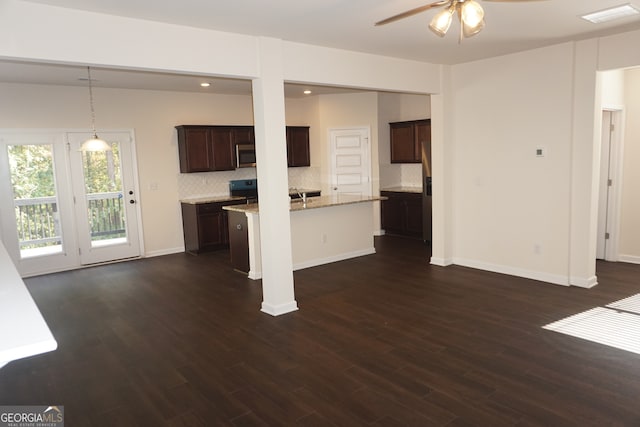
(302, 195)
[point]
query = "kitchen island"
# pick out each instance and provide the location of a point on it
(325, 229)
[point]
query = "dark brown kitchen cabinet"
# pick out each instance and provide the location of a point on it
(239, 241)
(298, 146)
(407, 140)
(205, 226)
(402, 213)
(243, 135)
(210, 148)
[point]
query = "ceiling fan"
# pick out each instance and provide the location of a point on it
(470, 14)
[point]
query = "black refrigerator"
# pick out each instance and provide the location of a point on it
(424, 135)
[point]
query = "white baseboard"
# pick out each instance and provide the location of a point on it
(581, 282)
(280, 309)
(163, 252)
(512, 271)
(442, 262)
(632, 259)
(379, 233)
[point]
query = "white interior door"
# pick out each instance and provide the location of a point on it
(610, 179)
(350, 161)
(105, 198)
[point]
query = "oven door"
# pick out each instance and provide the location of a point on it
(246, 155)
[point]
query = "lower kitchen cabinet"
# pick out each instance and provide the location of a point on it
(402, 213)
(239, 241)
(205, 226)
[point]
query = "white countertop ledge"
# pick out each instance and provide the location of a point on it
(23, 331)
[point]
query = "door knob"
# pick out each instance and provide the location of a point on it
(130, 192)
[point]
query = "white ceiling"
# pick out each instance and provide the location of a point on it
(346, 24)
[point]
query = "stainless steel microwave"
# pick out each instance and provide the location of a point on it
(246, 155)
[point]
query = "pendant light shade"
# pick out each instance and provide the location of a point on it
(94, 143)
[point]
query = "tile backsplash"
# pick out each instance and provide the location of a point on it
(208, 184)
(406, 174)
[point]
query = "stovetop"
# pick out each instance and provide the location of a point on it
(244, 187)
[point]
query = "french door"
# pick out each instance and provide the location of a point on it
(61, 208)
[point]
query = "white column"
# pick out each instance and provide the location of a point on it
(585, 167)
(442, 171)
(273, 183)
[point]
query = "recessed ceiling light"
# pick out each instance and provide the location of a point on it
(307, 92)
(205, 84)
(612, 13)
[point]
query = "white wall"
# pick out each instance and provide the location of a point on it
(512, 208)
(629, 246)
(612, 88)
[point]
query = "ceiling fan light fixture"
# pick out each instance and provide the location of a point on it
(472, 14)
(470, 31)
(441, 22)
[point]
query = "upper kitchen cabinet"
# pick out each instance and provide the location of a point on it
(208, 148)
(243, 135)
(298, 146)
(407, 140)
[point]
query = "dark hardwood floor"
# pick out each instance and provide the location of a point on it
(382, 340)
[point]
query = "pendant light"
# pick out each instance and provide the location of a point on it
(94, 143)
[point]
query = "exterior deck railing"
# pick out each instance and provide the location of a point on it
(38, 219)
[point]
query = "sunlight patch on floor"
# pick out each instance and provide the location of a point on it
(616, 325)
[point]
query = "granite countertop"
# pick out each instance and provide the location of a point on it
(211, 199)
(312, 203)
(403, 189)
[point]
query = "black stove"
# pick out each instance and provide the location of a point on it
(244, 188)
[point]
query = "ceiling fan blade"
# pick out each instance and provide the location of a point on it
(412, 12)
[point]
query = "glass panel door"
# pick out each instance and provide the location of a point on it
(106, 208)
(35, 199)
(37, 217)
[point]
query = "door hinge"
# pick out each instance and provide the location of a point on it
(612, 127)
(609, 182)
(79, 251)
(606, 236)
